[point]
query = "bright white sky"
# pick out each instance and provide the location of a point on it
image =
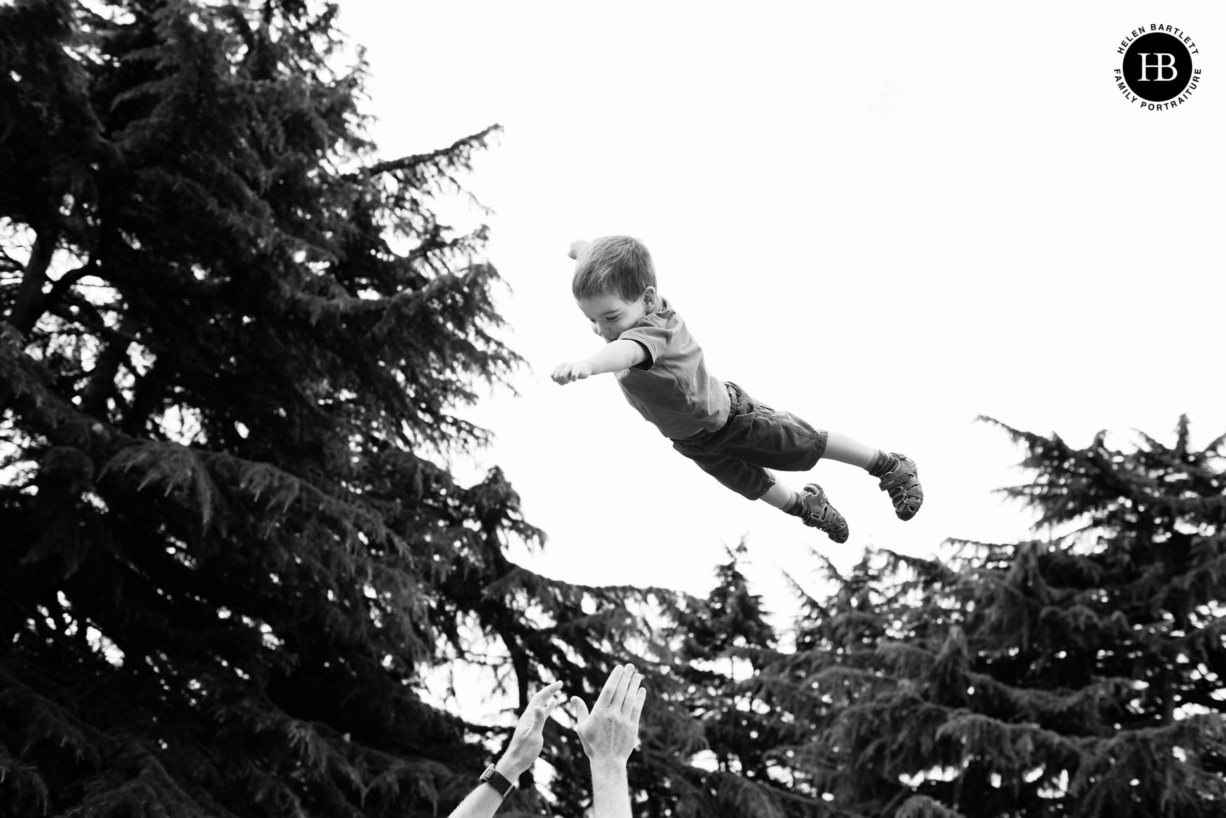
(886, 217)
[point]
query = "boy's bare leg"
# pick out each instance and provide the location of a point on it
(847, 449)
(812, 507)
(778, 495)
(897, 472)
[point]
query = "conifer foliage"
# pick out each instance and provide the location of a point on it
(232, 347)
(1080, 675)
(721, 727)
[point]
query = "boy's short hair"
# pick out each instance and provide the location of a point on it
(619, 265)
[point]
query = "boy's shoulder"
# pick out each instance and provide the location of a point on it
(664, 315)
(661, 331)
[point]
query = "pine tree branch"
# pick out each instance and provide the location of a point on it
(27, 701)
(460, 146)
(409, 300)
(1202, 699)
(90, 318)
(61, 286)
(236, 16)
(8, 264)
(26, 312)
(65, 425)
(147, 396)
(101, 383)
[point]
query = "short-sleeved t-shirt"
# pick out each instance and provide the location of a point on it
(672, 387)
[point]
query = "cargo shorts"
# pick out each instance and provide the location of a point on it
(755, 438)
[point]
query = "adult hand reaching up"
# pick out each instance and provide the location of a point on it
(524, 747)
(528, 738)
(609, 732)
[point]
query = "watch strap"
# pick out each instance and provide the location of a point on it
(497, 780)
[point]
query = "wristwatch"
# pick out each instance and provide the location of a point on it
(497, 780)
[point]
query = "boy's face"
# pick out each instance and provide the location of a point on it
(611, 315)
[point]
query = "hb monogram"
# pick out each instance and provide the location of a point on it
(1160, 66)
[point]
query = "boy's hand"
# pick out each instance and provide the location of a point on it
(576, 247)
(573, 371)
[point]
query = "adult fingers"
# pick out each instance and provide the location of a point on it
(638, 708)
(623, 683)
(579, 707)
(632, 690)
(544, 693)
(610, 686)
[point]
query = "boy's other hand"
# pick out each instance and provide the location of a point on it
(611, 730)
(573, 371)
(576, 247)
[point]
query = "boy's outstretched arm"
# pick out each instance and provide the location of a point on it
(615, 357)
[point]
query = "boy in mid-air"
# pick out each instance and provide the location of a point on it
(734, 438)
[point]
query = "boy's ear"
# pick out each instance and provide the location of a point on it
(649, 297)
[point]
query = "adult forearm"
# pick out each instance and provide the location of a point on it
(482, 802)
(616, 356)
(485, 800)
(610, 790)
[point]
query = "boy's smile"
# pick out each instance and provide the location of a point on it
(611, 315)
